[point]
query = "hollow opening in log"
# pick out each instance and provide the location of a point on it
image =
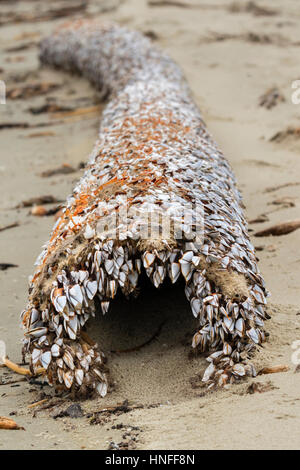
(147, 340)
(146, 318)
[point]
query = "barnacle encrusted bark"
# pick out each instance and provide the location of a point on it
(154, 156)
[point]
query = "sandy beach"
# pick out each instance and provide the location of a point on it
(240, 59)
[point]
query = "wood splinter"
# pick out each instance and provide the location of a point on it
(4, 361)
(9, 424)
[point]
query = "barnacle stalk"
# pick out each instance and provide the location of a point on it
(154, 161)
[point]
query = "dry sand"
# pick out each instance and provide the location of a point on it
(230, 58)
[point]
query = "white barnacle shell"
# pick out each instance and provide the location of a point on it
(68, 359)
(196, 260)
(91, 288)
(109, 265)
(37, 332)
(104, 306)
(45, 359)
(55, 350)
(68, 377)
(227, 349)
(113, 288)
(102, 389)
(196, 339)
(187, 257)
(60, 303)
(174, 272)
(240, 326)
(229, 324)
(196, 305)
(79, 374)
(75, 296)
(209, 371)
(89, 232)
(85, 363)
(34, 316)
(72, 326)
(36, 355)
(82, 275)
(253, 335)
(148, 259)
(186, 269)
(238, 369)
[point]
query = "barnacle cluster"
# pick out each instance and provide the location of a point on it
(154, 156)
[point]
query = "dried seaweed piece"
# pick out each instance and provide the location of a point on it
(252, 7)
(279, 229)
(48, 108)
(251, 36)
(118, 409)
(151, 35)
(172, 3)
(283, 201)
(273, 370)
(28, 91)
(25, 125)
(271, 98)
(281, 186)
(21, 47)
(259, 219)
(6, 227)
(154, 154)
(283, 135)
(257, 37)
(47, 199)
(52, 14)
(65, 169)
(5, 266)
(14, 125)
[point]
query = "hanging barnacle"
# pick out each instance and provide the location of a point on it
(157, 195)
